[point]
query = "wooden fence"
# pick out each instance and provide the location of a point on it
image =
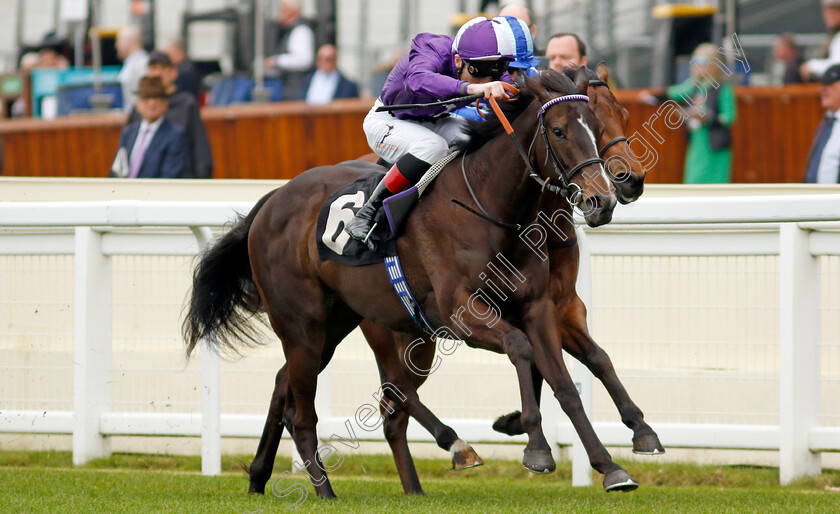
(771, 138)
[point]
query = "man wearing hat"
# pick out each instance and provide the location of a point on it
(183, 111)
(152, 147)
(824, 159)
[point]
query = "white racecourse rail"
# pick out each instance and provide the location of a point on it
(798, 229)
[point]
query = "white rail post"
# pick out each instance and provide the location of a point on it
(581, 470)
(799, 334)
(211, 398)
(92, 346)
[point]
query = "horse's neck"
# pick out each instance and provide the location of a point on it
(556, 211)
(500, 177)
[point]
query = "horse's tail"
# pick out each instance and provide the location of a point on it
(224, 297)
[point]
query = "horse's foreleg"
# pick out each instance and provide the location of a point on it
(581, 346)
(260, 469)
(490, 331)
(539, 324)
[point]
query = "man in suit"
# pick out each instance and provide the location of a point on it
(326, 83)
(183, 111)
(824, 159)
(152, 147)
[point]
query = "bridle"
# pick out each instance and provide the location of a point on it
(565, 176)
(572, 192)
(611, 142)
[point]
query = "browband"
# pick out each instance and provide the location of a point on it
(566, 98)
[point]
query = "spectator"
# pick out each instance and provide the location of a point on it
(189, 76)
(519, 11)
(326, 83)
(130, 49)
(831, 51)
(295, 51)
(28, 62)
(824, 159)
(152, 147)
(711, 113)
(788, 60)
(564, 49)
(183, 111)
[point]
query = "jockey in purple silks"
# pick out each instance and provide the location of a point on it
(438, 67)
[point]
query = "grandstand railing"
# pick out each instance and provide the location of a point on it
(798, 229)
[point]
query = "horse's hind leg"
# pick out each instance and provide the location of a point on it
(260, 469)
(389, 348)
(581, 346)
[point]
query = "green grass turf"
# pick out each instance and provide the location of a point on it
(46, 482)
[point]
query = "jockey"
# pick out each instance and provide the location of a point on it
(525, 63)
(438, 67)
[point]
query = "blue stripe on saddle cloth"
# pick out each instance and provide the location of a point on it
(395, 275)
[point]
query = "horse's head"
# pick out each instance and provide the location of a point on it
(569, 131)
(626, 174)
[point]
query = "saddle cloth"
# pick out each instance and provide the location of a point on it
(341, 206)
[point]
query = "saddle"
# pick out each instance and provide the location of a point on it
(334, 244)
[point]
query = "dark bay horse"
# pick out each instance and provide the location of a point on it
(628, 178)
(313, 304)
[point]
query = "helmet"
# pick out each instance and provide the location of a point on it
(481, 39)
(523, 43)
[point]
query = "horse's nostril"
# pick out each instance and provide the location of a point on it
(593, 203)
(622, 177)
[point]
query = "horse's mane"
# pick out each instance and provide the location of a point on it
(480, 132)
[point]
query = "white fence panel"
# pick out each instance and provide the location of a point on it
(663, 274)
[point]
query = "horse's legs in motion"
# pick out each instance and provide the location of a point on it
(389, 348)
(260, 469)
(280, 412)
(308, 340)
(582, 347)
(550, 359)
(577, 341)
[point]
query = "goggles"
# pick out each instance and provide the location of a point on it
(492, 69)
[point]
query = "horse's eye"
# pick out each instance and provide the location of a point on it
(559, 133)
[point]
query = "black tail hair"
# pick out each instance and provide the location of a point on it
(224, 297)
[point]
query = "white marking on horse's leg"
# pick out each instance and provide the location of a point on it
(457, 446)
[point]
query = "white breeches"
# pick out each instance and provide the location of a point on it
(391, 138)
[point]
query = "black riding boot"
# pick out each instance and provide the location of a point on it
(361, 225)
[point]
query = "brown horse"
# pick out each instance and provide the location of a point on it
(313, 304)
(628, 178)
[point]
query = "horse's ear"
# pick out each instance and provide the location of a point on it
(582, 80)
(602, 71)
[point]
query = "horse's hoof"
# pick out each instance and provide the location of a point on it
(619, 480)
(256, 490)
(539, 461)
(463, 456)
(647, 444)
(509, 424)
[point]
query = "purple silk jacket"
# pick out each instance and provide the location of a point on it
(426, 74)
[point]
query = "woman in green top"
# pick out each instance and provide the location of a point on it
(709, 156)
